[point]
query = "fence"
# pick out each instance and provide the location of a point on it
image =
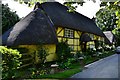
(27, 60)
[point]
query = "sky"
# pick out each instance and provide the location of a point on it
(21, 9)
(88, 9)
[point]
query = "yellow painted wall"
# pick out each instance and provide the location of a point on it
(59, 39)
(71, 41)
(77, 34)
(59, 32)
(50, 48)
(79, 48)
(91, 43)
(76, 41)
(52, 52)
(76, 48)
(96, 37)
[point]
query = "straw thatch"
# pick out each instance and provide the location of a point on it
(38, 26)
(61, 17)
(35, 28)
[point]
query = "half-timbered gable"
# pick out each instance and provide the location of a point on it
(71, 36)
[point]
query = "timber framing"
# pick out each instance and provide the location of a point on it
(73, 42)
(60, 31)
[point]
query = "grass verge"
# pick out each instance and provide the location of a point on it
(62, 75)
(74, 68)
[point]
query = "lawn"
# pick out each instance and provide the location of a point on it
(74, 68)
(67, 67)
(64, 74)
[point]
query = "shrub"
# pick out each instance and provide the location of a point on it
(79, 54)
(63, 51)
(10, 62)
(42, 55)
(90, 52)
(36, 72)
(67, 63)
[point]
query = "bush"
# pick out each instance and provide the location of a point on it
(42, 55)
(78, 54)
(36, 72)
(10, 62)
(39, 56)
(63, 51)
(90, 52)
(67, 63)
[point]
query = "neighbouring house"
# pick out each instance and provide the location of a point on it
(50, 23)
(110, 38)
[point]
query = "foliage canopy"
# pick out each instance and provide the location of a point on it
(108, 18)
(9, 18)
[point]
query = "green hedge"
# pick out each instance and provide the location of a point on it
(10, 62)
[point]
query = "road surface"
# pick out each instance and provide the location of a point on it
(104, 68)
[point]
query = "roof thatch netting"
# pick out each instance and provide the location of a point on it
(61, 17)
(35, 28)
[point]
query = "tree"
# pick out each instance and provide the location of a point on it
(108, 18)
(68, 3)
(9, 18)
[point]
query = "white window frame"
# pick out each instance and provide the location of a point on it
(69, 33)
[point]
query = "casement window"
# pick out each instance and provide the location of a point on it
(69, 33)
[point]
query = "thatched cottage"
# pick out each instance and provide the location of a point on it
(50, 23)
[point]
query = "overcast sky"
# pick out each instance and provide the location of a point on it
(88, 9)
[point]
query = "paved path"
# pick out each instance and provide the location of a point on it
(104, 68)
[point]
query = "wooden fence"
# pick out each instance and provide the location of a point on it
(27, 60)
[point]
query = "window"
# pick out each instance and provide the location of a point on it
(68, 33)
(91, 36)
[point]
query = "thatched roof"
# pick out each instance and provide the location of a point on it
(35, 28)
(61, 17)
(85, 37)
(110, 37)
